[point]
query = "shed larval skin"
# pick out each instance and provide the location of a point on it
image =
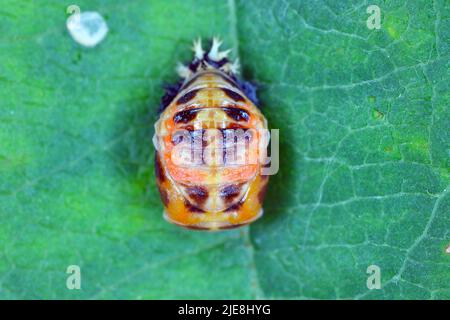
(211, 191)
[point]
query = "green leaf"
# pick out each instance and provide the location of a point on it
(364, 175)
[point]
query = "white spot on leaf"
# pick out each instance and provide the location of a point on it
(87, 28)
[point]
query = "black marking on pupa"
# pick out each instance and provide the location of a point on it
(171, 91)
(215, 64)
(249, 89)
(194, 64)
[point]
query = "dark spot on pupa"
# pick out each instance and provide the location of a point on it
(233, 95)
(187, 96)
(232, 226)
(198, 193)
(189, 128)
(171, 92)
(177, 138)
(164, 196)
(262, 193)
(237, 114)
(194, 65)
(192, 208)
(228, 193)
(159, 171)
(249, 89)
(185, 116)
(195, 227)
(214, 63)
(235, 207)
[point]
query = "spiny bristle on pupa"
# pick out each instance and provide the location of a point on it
(197, 48)
(211, 59)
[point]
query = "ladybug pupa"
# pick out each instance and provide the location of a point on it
(209, 140)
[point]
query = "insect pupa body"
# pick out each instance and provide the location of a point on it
(209, 141)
